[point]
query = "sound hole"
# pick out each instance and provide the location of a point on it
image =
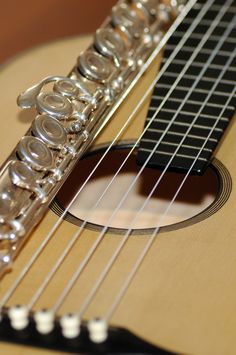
(196, 195)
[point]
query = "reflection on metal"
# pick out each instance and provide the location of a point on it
(71, 111)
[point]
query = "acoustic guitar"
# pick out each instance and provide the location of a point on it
(117, 207)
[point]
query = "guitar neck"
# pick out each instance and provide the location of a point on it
(193, 101)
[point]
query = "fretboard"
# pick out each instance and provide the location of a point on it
(194, 98)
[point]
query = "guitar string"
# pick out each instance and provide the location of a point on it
(77, 234)
(129, 231)
(35, 256)
(80, 269)
(77, 273)
(155, 233)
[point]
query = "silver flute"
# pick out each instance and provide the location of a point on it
(72, 110)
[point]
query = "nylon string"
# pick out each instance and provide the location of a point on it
(157, 229)
(34, 257)
(96, 286)
(104, 230)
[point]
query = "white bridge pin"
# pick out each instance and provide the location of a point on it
(70, 325)
(44, 320)
(19, 317)
(97, 330)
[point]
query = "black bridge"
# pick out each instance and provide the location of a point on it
(119, 341)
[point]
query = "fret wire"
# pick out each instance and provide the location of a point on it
(213, 38)
(187, 125)
(204, 50)
(223, 24)
(178, 155)
(193, 102)
(173, 133)
(149, 143)
(225, 119)
(201, 91)
(181, 128)
(183, 88)
(159, 119)
(219, 7)
(204, 78)
(169, 110)
(218, 66)
(197, 103)
(148, 140)
(200, 64)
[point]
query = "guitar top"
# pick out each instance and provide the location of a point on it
(117, 206)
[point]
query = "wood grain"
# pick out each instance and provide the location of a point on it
(183, 297)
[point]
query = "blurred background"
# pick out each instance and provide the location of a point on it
(26, 23)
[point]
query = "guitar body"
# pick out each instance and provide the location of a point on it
(183, 297)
